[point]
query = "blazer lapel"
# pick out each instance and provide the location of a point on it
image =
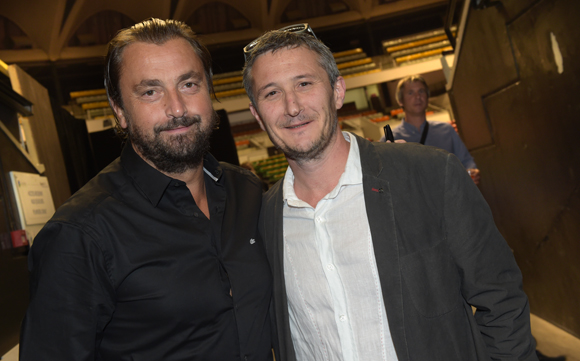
(272, 212)
(380, 214)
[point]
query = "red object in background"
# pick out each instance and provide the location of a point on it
(454, 125)
(19, 238)
(396, 111)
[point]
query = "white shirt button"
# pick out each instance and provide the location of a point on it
(318, 220)
(342, 318)
(330, 267)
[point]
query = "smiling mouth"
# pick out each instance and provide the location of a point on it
(177, 130)
(297, 125)
(179, 127)
(178, 123)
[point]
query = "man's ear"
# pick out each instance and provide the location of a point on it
(120, 114)
(257, 116)
(339, 92)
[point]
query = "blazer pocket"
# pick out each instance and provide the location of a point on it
(432, 281)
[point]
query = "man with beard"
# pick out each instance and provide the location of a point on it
(158, 256)
(378, 250)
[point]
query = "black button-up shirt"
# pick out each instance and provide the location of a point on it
(130, 268)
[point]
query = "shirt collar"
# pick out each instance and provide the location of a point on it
(151, 182)
(352, 174)
(411, 128)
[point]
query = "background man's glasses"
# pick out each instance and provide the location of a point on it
(296, 28)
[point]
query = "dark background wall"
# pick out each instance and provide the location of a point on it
(14, 277)
(13, 262)
(519, 115)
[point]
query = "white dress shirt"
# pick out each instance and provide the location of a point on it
(335, 301)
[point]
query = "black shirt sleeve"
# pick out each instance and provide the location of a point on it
(71, 298)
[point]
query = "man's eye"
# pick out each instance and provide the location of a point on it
(149, 93)
(189, 85)
(273, 92)
(304, 83)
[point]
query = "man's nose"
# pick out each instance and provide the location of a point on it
(175, 106)
(293, 104)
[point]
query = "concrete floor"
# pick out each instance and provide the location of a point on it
(551, 340)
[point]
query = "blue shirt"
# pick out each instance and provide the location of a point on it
(441, 135)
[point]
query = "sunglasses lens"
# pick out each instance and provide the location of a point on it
(297, 28)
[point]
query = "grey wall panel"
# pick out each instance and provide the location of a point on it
(484, 66)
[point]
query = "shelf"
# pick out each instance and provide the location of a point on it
(15, 101)
(232, 104)
(241, 102)
(396, 73)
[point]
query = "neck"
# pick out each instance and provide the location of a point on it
(415, 120)
(315, 178)
(194, 180)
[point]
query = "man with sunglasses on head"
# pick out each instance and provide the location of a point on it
(378, 250)
(158, 256)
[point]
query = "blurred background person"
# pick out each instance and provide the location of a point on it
(413, 96)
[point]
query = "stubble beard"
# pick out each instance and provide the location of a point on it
(317, 148)
(174, 154)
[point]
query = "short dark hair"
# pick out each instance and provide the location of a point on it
(152, 31)
(275, 40)
(410, 79)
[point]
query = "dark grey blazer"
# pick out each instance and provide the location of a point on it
(438, 251)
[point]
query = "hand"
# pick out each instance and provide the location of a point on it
(474, 173)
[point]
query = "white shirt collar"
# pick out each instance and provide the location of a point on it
(352, 175)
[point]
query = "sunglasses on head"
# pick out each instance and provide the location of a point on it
(296, 28)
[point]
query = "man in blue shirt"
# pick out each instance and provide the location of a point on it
(413, 96)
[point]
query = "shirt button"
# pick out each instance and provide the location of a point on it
(342, 318)
(195, 214)
(318, 220)
(330, 267)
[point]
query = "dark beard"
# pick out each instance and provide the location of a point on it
(175, 154)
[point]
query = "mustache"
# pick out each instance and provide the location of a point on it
(290, 121)
(178, 122)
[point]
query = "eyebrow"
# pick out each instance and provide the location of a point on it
(265, 87)
(194, 75)
(271, 84)
(146, 83)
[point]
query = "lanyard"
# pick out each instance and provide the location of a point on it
(424, 135)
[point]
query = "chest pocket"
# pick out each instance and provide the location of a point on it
(432, 281)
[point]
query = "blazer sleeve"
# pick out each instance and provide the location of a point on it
(491, 280)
